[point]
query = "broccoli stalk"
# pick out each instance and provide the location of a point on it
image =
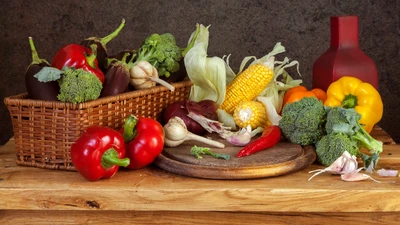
(374, 146)
(342, 120)
(161, 51)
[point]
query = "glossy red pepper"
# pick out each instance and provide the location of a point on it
(270, 137)
(98, 153)
(144, 138)
(80, 57)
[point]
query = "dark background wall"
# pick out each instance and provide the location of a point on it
(238, 27)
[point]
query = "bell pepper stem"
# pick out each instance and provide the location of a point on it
(129, 128)
(35, 56)
(349, 101)
(110, 158)
(108, 38)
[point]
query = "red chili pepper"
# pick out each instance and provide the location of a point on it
(98, 153)
(79, 57)
(144, 139)
(271, 136)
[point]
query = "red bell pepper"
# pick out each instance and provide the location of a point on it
(144, 139)
(98, 153)
(79, 57)
(270, 137)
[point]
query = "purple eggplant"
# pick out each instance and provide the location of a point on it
(36, 89)
(116, 79)
(102, 52)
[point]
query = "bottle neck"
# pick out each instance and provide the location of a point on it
(344, 31)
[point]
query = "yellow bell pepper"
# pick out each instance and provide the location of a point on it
(351, 92)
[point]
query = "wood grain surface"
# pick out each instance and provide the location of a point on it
(151, 195)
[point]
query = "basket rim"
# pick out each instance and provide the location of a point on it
(21, 99)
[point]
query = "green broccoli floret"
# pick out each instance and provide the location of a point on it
(331, 146)
(302, 121)
(161, 51)
(342, 120)
(344, 133)
(78, 85)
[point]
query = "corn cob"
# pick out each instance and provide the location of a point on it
(247, 85)
(250, 113)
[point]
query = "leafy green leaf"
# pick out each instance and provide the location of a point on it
(47, 74)
(197, 151)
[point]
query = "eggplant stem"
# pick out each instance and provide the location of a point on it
(108, 38)
(35, 56)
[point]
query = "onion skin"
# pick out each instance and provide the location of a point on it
(181, 109)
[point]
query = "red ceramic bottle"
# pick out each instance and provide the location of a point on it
(344, 57)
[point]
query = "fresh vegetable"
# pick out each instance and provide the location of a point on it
(182, 108)
(98, 153)
(79, 57)
(78, 85)
(102, 52)
(333, 145)
(273, 95)
(37, 89)
(198, 151)
(251, 113)
(208, 74)
(250, 83)
(116, 79)
(144, 138)
(143, 75)
(299, 92)
(161, 51)
(292, 90)
(271, 136)
(347, 166)
(239, 138)
(351, 92)
(346, 121)
(176, 133)
(321, 94)
(302, 121)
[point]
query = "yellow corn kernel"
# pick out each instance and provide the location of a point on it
(247, 86)
(250, 113)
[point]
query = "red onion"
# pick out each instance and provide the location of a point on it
(206, 108)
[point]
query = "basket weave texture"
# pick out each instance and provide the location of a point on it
(45, 130)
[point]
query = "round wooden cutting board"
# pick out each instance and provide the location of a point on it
(281, 159)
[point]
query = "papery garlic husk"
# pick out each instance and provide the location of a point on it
(144, 75)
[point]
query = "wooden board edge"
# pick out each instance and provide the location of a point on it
(199, 171)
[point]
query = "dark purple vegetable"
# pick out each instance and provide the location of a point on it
(207, 108)
(179, 75)
(116, 79)
(36, 89)
(101, 43)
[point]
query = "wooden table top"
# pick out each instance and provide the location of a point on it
(152, 189)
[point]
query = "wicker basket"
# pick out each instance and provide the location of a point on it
(45, 130)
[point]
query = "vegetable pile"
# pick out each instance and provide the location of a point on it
(158, 56)
(262, 97)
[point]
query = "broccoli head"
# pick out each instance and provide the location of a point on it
(78, 85)
(342, 120)
(161, 51)
(331, 146)
(302, 121)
